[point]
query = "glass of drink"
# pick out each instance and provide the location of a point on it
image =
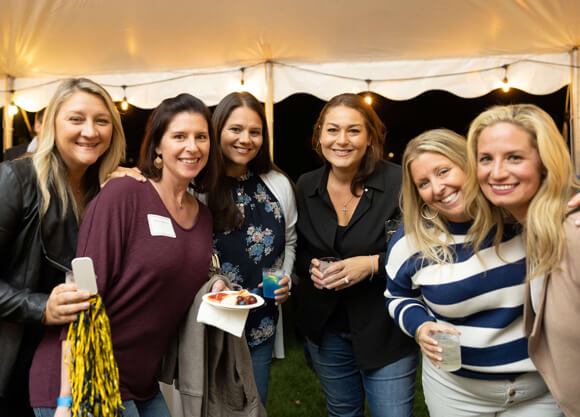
(271, 278)
(451, 350)
(326, 262)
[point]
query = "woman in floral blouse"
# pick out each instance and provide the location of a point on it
(254, 211)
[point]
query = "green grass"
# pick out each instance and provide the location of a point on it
(294, 389)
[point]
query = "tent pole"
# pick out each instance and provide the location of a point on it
(269, 104)
(8, 86)
(575, 110)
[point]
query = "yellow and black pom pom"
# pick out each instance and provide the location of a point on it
(93, 371)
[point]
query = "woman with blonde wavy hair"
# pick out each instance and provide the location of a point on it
(439, 283)
(54, 166)
(43, 201)
(521, 162)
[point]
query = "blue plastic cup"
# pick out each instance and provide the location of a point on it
(271, 278)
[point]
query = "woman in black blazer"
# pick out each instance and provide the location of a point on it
(343, 207)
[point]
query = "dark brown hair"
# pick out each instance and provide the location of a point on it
(375, 129)
(261, 163)
(156, 127)
(226, 215)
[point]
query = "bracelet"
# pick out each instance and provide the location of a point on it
(372, 267)
(64, 402)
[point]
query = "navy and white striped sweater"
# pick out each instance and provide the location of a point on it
(481, 298)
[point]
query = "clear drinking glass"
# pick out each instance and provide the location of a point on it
(451, 350)
(326, 262)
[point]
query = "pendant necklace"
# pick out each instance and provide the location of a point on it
(344, 209)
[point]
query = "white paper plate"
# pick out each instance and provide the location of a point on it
(258, 303)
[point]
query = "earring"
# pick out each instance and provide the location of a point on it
(158, 162)
(426, 212)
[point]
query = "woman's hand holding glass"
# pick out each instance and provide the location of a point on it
(283, 292)
(316, 276)
(342, 273)
(429, 345)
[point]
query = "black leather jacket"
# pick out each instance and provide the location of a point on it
(34, 256)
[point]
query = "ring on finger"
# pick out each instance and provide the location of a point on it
(346, 281)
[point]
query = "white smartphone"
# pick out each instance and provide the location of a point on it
(84, 274)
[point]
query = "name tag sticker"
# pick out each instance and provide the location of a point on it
(160, 226)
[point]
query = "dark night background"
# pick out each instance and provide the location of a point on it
(295, 116)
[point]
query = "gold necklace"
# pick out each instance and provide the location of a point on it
(160, 192)
(180, 203)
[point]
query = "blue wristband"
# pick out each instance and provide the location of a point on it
(64, 402)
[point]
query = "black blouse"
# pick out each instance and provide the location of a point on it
(377, 341)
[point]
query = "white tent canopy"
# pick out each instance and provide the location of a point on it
(158, 49)
(135, 41)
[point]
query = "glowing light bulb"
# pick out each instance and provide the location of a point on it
(124, 103)
(505, 85)
(12, 110)
(368, 99)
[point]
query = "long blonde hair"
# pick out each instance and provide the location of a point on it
(51, 170)
(544, 229)
(427, 233)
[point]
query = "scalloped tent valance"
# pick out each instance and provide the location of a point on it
(398, 80)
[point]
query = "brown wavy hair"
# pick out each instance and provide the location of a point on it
(226, 214)
(375, 129)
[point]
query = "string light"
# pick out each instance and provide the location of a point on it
(124, 103)
(368, 97)
(12, 108)
(505, 82)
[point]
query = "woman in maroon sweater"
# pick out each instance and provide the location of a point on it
(151, 245)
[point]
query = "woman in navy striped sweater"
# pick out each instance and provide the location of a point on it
(438, 284)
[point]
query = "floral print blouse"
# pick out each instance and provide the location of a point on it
(258, 244)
